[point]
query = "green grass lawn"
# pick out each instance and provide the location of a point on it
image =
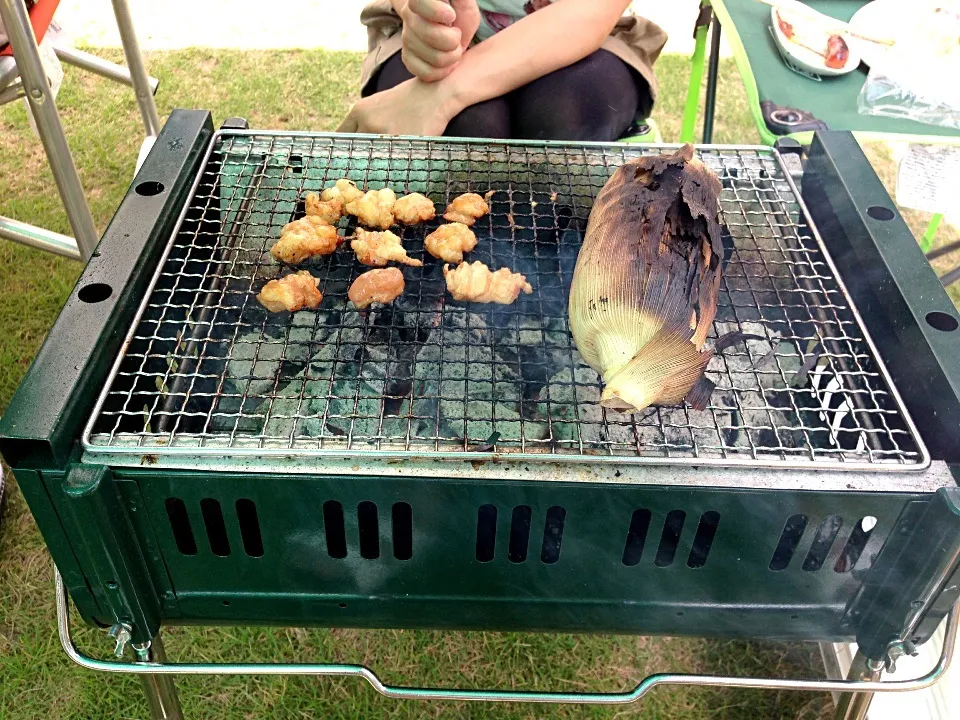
(303, 91)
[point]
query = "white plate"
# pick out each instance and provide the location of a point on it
(876, 19)
(909, 24)
(802, 56)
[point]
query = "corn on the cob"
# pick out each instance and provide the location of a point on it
(645, 286)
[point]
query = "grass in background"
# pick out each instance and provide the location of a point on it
(306, 90)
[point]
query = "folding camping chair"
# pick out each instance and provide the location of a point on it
(22, 74)
(785, 104)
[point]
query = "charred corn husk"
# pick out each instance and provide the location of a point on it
(645, 286)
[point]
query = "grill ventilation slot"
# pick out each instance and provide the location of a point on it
(249, 527)
(670, 538)
(855, 545)
(519, 534)
(822, 542)
(334, 529)
(703, 540)
(793, 531)
(552, 535)
(402, 531)
(636, 537)
(486, 532)
(369, 526)
(180, 526)
(216, 528)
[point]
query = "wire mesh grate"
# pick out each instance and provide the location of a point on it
(208, 370)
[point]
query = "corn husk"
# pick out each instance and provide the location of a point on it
(645, 287)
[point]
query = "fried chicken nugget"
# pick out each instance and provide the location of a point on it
(330, 211)
(450, 242)
(374, 209)
(379, 248)
(304, 238)
(474, 282)
(466, 209)
(345, 190)
(414, 208)
(293, 292)
(381, 286)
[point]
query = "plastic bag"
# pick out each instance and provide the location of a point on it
(917, 78)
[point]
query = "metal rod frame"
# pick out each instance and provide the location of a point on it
(99, 66)
(713, 67)
(158, 667)
(44, 108)
(159, 690)
(138, 71)
(39, 238)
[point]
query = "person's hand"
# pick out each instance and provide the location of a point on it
(411, 108)
(435, 35)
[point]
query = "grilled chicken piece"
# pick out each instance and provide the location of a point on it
(378, 248)
(414, 208)
(466, 209)
(380, 286)
(345, 190)
(474, 282)
(304, 238)
(450, 242)
(293, 292)
(374, 209)
(329, 211)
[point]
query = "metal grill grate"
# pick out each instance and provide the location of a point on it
(208, 371)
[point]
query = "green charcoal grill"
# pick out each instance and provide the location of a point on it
(193, 459)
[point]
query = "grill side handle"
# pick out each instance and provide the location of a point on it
(47, 413)
(905, 308)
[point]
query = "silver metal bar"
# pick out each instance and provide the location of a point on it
(8, 70)
(138, 71)
(11, 93)
(104, 68)
(854, 705)
(39, 238)
(418, 693)
(17, 23)
(159, 690)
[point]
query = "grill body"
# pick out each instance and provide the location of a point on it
(748, 534)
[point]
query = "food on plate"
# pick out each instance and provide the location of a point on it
(837, 52)
(474, 282)
(450, 242)
(374, 208)
(811, 35)
(380, 286)
(304, 238)
(293, 292)
(329, 211)
(379, 248)
(466, 209)
(645, 286)
(345, 190)
(414, 208)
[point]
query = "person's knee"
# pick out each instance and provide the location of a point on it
(593, 99)
(489, 119)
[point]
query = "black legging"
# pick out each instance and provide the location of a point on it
(596, 98)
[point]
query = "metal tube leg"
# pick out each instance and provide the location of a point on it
(17, 23)
(713, 67)
(854, 706)
(160, 691)
(138, 71)
(104, 68)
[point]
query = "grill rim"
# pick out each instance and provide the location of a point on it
(96, 451)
